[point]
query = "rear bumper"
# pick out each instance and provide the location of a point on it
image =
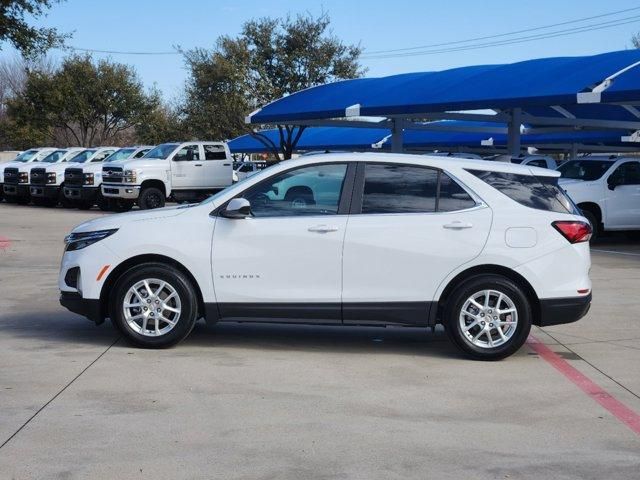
(129, 192)
(87, 307)
(556, 311)
(85, 194)
(19, 190)
(43, 191)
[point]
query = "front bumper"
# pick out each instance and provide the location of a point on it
(556, 311)
(86, 307)
(130, 192)
(45, 191)
(19, 190)
(84, 194)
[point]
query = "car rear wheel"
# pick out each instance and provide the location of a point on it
(488, 317)
(154, 305)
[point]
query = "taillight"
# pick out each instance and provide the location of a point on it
(573, 231)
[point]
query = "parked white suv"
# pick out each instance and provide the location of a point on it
(14, 176)
(485, 248)
(82, 180)
(183, 171)
(606, 189)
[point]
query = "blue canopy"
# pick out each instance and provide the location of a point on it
(580, 86)
(349, 138)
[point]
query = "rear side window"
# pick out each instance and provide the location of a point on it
(390, 188)
(541, 193)
(214, 152)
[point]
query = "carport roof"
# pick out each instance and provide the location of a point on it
(583, 87)
(349, 138)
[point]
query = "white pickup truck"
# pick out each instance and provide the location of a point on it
(606, 189)
(42, 185)
(82, 179)
(187, 171)
(14, 176)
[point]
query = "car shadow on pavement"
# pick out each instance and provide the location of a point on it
(60, 327)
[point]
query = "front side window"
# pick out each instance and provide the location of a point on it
(539, 192)
(626, 174)
(538, 163)
(188, 153)
(141, 153)
(214, 152)
(312, 190)
(26, 156)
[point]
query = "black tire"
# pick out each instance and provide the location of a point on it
(10, 199)
(150, 198)
(23, 200)
(103, 203)
(120, 205)
(595, 224)
(633, 235)
(459, 296)
(64, 201)
(185, 292)
(39, 201)
(84, 205)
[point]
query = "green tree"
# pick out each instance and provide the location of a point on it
(270, 58)
(88, 103)
(30, 41)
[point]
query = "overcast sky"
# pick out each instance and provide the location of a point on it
(156, 26)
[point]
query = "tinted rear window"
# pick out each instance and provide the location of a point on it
(541, 193)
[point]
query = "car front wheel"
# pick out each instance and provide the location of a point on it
(488, 317)
(154, 305)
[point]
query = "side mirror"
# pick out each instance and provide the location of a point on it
(237, 208)
(612, 183)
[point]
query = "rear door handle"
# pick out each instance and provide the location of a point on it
(226, 164)
(323, 229)
(197, 164)
(457, 225)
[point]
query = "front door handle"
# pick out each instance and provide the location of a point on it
(323, 229)
(197, 164)
(457, 225)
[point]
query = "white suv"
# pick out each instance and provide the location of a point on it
(606, 189)
(485, 248)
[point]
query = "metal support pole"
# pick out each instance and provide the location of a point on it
(397, 134)
(513, 133)
(574, 151)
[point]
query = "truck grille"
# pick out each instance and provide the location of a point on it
(112, 174)
(73, 177)
(11, 176)
(38, 176)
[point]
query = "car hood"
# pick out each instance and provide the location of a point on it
(138, 163)
(122, 219)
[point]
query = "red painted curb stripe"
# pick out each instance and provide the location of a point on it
(618, 409)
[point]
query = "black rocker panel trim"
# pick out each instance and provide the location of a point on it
(361, 313)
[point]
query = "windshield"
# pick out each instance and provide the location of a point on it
(121, 154)
(83, 156)
(584, 169)
(26, 156)
(55, 156)
(161, 152)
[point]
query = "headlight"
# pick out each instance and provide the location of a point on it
(129, 176)
(51, 177)
(88, 179)
(78, 241)
(23, 177)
